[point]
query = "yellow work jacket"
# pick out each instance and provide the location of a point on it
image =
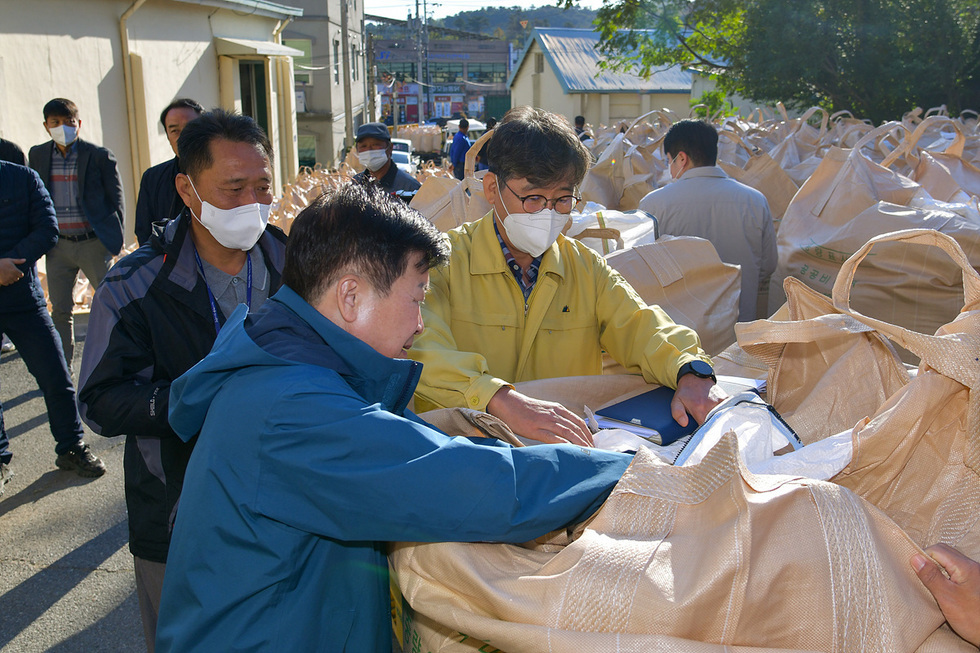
(480, 335)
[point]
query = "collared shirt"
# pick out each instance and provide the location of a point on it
(65, 193)
(393, 181)
(230, 290)
(525, 278)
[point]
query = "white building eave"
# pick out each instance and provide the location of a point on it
(258, 7)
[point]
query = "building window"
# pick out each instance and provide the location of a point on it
(445, 73)
(403, 71)
(539, 62)
(336, 62)
(486, 73)
(304, 64)
(306, 148)
(353, 62)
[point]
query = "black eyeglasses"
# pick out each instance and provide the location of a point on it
(535, 203)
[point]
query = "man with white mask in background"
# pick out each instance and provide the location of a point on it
(519, 301)
(373, 143)
(83, 181)
(159, 311)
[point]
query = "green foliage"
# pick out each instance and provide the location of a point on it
(877, 58)
(715, 104)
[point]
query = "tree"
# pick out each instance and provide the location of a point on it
(877, 58)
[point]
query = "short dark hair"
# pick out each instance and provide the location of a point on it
(696, 138)
(538, 146)
(464, 125)
(194, 144)
(180, 103)
(357, 228)
(580, 121)
(60, 107)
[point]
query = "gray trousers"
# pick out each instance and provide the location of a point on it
(149, 586)
(62, 263)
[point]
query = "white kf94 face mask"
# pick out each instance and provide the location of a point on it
(64, 135)
(237, 228)
(534, 233)
(373, 160)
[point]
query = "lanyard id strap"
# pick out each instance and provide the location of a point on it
(214, 306)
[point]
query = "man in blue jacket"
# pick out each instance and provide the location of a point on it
(307, 462)
(460, 146)
(28, 229)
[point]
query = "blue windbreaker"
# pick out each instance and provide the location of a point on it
(307, 464)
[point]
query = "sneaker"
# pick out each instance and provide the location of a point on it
(7, 346)
(5, 475)
(82, 460)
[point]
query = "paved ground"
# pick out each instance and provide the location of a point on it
(66, 575)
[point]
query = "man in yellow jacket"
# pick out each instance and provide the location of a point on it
(519, 301)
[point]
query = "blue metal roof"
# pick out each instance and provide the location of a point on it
(573, 56)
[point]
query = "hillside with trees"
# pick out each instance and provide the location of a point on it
(505, 22)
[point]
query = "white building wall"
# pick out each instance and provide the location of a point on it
(73, 49)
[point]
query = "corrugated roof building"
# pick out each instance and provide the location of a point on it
(559, 71)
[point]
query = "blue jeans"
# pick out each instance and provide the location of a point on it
(37, 341)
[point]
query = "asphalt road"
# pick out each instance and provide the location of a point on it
(66, 574)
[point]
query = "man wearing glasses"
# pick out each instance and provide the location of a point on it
(519, 301)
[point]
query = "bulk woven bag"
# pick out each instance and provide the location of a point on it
(708, 558)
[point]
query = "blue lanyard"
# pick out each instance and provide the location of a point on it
(214, 306)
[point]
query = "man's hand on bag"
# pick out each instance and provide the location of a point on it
(9, 272)
(959, 595)
(697, 396)
(544, 421)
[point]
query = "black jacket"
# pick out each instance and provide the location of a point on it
(151, 321)
(28, 229)
(99, 185)
(10, 151)
(158, 199)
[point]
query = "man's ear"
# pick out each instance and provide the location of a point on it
(490, 188)
(183, 185)
(348, 291)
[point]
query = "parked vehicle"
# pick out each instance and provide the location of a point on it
(476, 130)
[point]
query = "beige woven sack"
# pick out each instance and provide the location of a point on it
(939, 165)
(815, 357)
(918, 458)
(826, 222)
(448, 203)
(701, 559)
(684, 276)
(605, 180)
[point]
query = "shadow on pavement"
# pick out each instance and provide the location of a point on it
(22, 605)
(29, 425)
(103, 635)
(23, 398)
(48, 483)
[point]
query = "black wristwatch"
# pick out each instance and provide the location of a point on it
(697, 368)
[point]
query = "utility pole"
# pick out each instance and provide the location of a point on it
(425, 54)
(418, 74)
(345, 58)
(372, 77)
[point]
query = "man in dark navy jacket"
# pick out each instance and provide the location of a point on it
(158, 199)
(84, 185)
(28, 229)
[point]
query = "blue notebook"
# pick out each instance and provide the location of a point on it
(650, 410)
